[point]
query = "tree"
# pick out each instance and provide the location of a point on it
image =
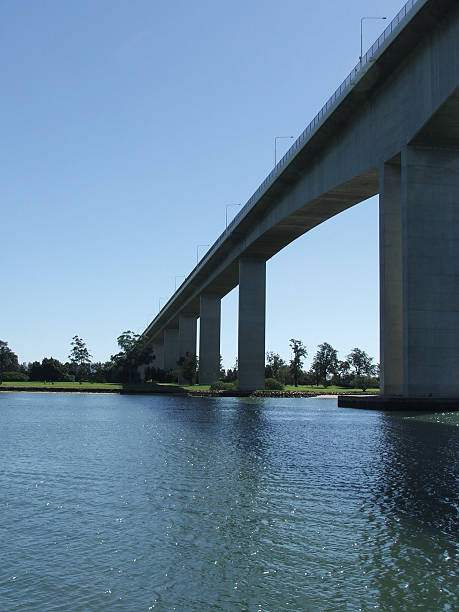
(101, 372)
(134, 352)
(274, 363)
(49, 370)
(189, 367)
(325, 362)
(232, 374)
(343, 373)
(221, 370)
(285, 374)
(361, 363)
(296, 363)
(8, 359)
(80, 358)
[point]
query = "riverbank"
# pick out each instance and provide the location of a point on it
(164, 388)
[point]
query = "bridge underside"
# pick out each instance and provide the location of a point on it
(396, 134)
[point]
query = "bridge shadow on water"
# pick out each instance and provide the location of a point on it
(411, 511)
(419, 462)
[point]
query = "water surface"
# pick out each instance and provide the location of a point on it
(167, 503)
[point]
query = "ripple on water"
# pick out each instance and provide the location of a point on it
(224, 504)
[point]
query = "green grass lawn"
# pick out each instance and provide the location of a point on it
(89, 386)
(65, 385)
(156, 387)
(331, 389)
(194, 387)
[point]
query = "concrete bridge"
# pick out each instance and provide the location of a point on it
(391, 128)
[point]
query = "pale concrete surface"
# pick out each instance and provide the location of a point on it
(209, 339)
(187, 335)
(187, 339)
(430, 193)
(171, 349)
(391, 277)
(251, 328)
(158, 352)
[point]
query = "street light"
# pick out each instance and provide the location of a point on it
(361, 33)
(179, 276)
(276, 138)
(159, 303)
(226, 212)
(199, 246)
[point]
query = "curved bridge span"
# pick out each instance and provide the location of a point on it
(391, 128)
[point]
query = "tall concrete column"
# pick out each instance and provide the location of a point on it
(391, 288)
(158, 352)
(187, 339)
(251, 329)
(187, 335)
(141, 372)
(171, 349)
(430, 214)
(209, 339)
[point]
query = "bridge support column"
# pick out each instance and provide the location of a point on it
(158, 352)
(186, 338)
(420, 274)
(141, 371)
(391, 289)
(209, 339)
(430, 192)
(187, 335)
(251, 329)
(171, 349)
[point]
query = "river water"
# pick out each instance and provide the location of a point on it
(166, 503)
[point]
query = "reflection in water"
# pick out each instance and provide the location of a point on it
(420, 460)
(414, 505)
(163, 503)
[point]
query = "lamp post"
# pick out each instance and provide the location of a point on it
(199, 246)
(276, 138)
(179, 276)
(361, 33)
(226, 212)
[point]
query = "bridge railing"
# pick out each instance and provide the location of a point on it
(330, 103)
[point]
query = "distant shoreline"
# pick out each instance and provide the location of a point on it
(182, 393)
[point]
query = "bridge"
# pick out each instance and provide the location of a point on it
(391, 128)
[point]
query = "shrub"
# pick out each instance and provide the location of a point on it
(271, 384)
(219, 385)
(14, 377)
(361, 382)
(172, 376)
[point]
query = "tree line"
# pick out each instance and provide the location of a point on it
(356, 370)
(122, 367)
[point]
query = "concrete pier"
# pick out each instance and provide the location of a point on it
(430, 200)
(391, 290)
(209, 339)
(251, 328)
(171, 349)
(186, 340)
(419, 273)
(158, 352)
(187, 335)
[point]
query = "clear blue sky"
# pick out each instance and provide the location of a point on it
(128, 125)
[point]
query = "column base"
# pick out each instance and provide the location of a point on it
(409, 404)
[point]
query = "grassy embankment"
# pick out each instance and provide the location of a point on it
(332, 389)
(92, 387)
(155, 388)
